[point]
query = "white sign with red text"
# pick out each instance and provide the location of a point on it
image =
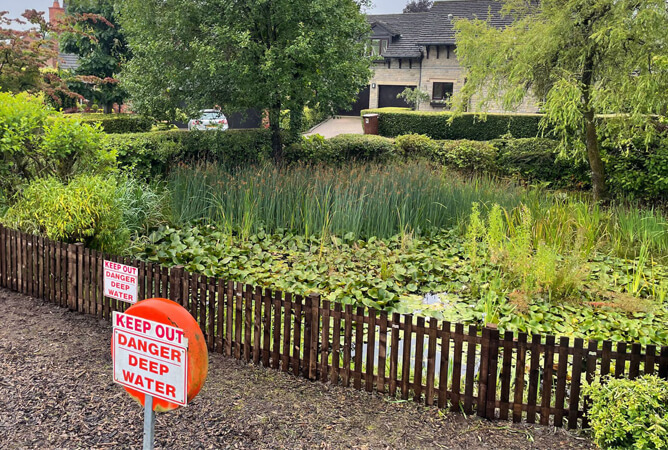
(120, 281)
(150, 357)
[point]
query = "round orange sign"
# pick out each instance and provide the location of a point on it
(153, 356)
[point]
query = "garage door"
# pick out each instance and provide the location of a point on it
(361, 103)
(387, 96)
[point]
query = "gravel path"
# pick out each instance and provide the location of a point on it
(56, 392)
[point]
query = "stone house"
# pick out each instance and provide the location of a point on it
(418, 49)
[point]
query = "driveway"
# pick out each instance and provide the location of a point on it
(338, 125)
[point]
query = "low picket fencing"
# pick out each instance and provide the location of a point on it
(535, 379)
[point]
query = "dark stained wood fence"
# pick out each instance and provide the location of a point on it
(535, 379)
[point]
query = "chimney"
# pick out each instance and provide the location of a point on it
(55, 11)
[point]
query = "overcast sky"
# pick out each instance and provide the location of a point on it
(16, 7)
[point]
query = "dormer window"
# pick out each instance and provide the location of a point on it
(377, 47)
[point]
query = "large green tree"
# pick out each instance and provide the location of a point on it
(579, 59)
(265, 54)
(99, 42)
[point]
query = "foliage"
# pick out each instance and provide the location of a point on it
(414, 96)
(396, 274)
(154, 154)
(539, 160)
(416, 146)
(364, 200)
(443, 125)
(26, 46)
(35, 141)
(100, 44)
(468, 156)
(117, 123)
(579, 58)
(271, 56)
(629, 413)
(418, 6)
(639, 171)
(85, 210)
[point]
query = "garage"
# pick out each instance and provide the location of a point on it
(387, 96)
(361, 103)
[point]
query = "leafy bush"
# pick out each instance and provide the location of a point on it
(468, 156)
(359, 147)
(465, 126)
(639, 171)
(537, 159)
(416, 145)
(153, 154)
(117, 123)
(87, 210)
(629, 413)
(36, 141)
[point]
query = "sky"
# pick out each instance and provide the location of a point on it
(16, 7)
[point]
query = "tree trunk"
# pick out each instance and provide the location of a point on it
(591, 138)
(276, 141)
(108, 108)
(594, 156)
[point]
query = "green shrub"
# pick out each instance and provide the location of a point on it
(638, 171)
(117, 123)
(416, 145)
(87, 210)
(360, 147)
(310, 149)
(537, 160)
(150, 155)
(36, 141)
(468, 156)
(465, 126)
(629, 413)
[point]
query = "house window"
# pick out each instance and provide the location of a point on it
(442, 91)
(377, 47)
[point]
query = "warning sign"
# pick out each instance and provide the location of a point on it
(150, 357)
(120, 281)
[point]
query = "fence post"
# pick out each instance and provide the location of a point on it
(492, 371)
(71, 273)
(315, 336)
(80, 280)
(3, 255)
(484, 372)
(175, 280)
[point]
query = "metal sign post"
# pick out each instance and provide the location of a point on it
(149, 423)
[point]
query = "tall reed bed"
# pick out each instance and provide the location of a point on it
(413, 198)
(365, 200)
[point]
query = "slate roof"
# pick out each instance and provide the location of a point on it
(413, 30)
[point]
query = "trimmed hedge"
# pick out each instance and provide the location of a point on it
(153, 154)
(117, 123)
(394, 122)
(339, 149)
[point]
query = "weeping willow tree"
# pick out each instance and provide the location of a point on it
(580, 59)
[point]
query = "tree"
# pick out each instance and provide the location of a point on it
(267, 55)
(24, 57)
(100, 44)
(580, 59)
(414, 96)
(418, 6)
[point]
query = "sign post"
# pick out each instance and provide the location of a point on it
(159, 356)
(149, 423)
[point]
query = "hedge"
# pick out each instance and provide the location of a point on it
(117, 123)
(153, 154)
(395, 122)
(342, 148)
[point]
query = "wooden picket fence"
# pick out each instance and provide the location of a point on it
(531, 379)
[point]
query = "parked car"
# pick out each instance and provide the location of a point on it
(209, 119)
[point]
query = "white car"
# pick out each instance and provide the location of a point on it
(209, 119)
